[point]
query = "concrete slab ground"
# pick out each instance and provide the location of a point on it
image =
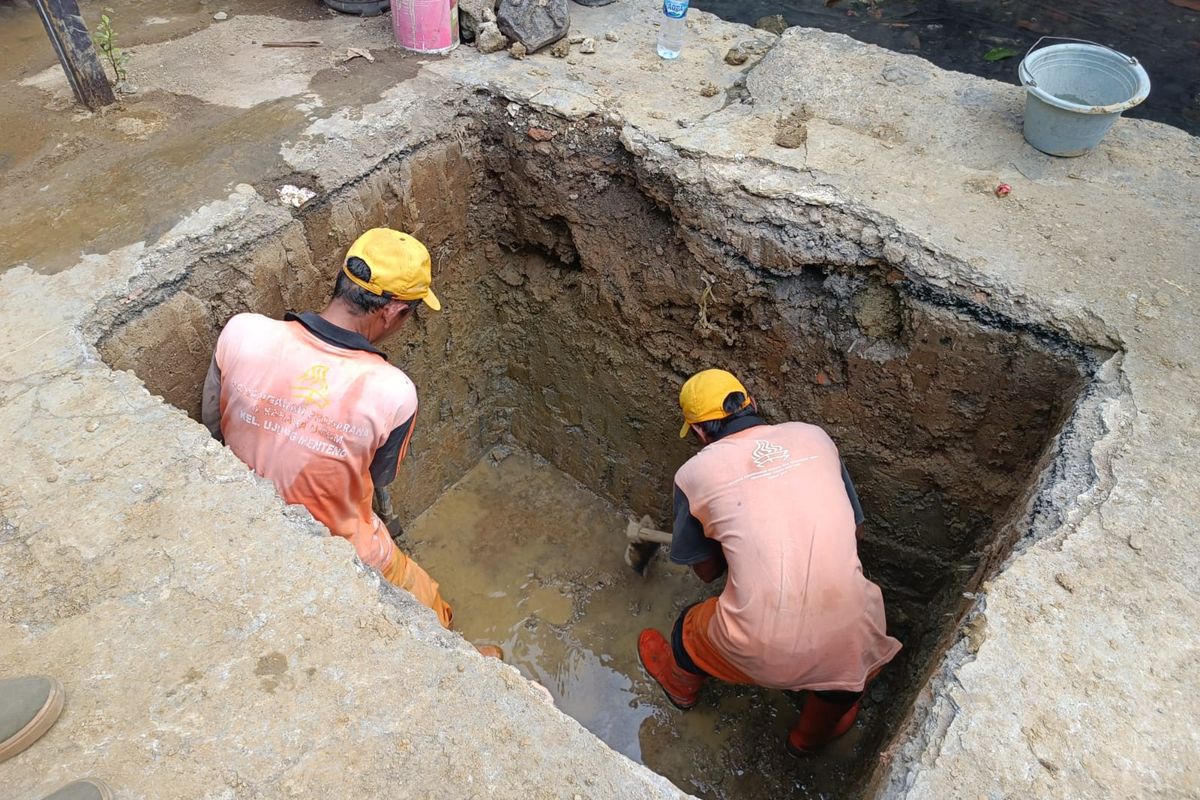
(217, 645)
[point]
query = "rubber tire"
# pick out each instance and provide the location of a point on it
(361, 8)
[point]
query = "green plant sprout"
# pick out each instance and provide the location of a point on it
(106, 39)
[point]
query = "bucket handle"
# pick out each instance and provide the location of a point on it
(1028, 77)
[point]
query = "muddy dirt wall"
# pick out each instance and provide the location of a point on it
(449, 356)
(615, 289)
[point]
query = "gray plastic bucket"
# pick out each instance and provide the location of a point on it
(1075, 92)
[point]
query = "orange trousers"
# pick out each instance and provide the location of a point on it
(700, 648)
(402, 571)
(707, 657)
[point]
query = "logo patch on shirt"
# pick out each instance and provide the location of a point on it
(767, 453)
(770, 462)
(313, 386)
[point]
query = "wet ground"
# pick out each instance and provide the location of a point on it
(533, 561)
(77, 183)
(956, 34)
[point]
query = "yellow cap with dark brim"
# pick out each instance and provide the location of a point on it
(702, 397)
(400, 266)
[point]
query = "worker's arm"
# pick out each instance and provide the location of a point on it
(690, 546)
(210, 401)
(387, 458)
(854, 502)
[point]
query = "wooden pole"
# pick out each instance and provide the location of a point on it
(69, 35)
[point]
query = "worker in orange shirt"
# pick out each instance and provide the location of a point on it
(311, 403)
(773, 506)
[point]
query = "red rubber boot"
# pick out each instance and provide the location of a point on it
(820, 723)
(681, 687)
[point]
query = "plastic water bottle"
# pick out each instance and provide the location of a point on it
(670, 36)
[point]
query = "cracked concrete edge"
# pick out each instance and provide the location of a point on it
(1076, 481)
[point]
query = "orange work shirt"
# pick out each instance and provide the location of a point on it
(310, 412)
(797, 611)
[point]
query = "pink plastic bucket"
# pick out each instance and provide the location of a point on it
(426, 26)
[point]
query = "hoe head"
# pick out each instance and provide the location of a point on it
(638, 552)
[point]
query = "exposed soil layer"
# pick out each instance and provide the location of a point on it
(581, 289)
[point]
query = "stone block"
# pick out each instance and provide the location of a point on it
(534, 23)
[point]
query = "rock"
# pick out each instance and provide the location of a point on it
(576, 39)
(751, 48)
(220, 16)
(540, 134)
(561, 48)
(472, 14)
(976, 632)
(792, 131)
(877, 311)
(534, 23)
(295, 196)
(518, 51)
(775, 24)
(894, 253)
(611, 36)
(489, 39)
(587, 46)
(904, 75)
(709, 90)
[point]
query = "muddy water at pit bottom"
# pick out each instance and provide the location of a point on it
(532, 560)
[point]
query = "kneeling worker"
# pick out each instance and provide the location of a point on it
(773, 505)
(312, 404)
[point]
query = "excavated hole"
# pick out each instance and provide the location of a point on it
(580, 290)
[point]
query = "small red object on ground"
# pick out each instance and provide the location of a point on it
(1002, 190)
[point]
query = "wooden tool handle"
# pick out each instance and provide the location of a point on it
(640, 531)
(651, 535)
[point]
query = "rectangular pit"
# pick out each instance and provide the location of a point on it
(581, 287)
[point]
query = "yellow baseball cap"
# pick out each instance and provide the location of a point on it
(400, 266)
(702, 397)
